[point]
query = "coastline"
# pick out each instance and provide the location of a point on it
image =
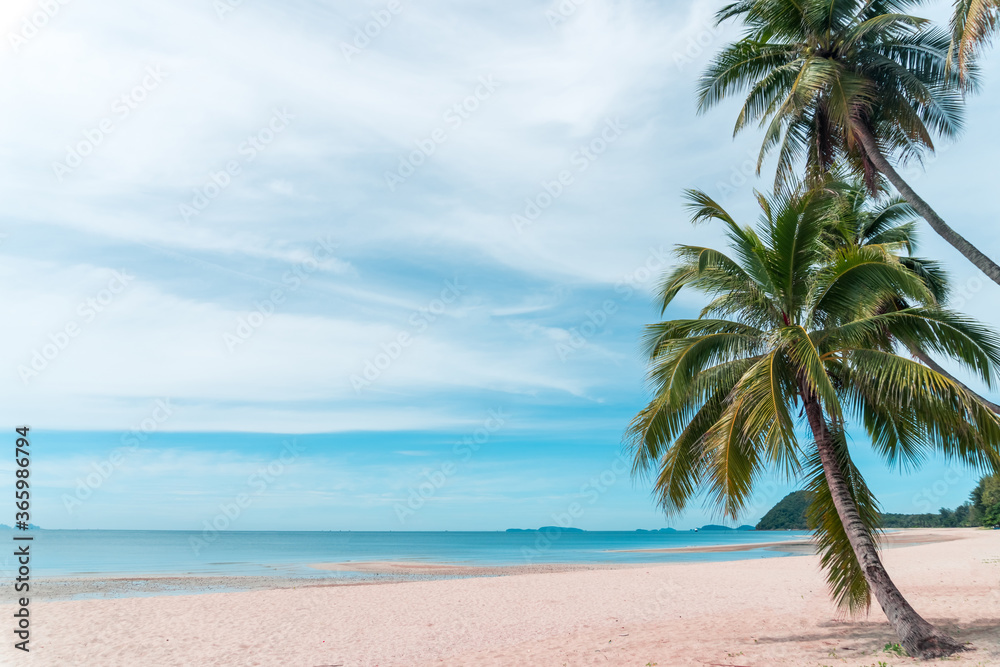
(897, 538)
(459, 570)
(771, 611)
(360, 573)
(50, 589)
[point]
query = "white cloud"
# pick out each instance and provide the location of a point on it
(323, 176)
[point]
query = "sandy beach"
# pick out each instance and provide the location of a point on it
(773, 611)
(898, 538)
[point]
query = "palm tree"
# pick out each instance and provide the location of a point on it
(794, 320)
(851, 81)
(972, 27)
(889, 223)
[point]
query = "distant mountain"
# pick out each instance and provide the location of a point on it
(547, 529)
(788, 514)
(655, 530)
(32, 526)
(711, 527)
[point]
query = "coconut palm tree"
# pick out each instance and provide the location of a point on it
(852, 81)
(889, 223)
(972, 27)
(793, 321)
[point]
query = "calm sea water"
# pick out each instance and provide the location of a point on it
(71, 553)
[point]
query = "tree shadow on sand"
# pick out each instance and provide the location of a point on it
(869, 636)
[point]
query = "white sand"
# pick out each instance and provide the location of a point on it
(774, 611)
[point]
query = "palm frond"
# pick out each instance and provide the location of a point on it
(837, 557)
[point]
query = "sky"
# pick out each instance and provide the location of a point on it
(373, 265)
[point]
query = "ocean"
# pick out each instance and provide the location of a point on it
(126, 553)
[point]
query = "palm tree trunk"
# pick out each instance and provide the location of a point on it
(917, 636)
(971, 252)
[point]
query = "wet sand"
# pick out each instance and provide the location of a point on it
(459, 570)
(70, 588)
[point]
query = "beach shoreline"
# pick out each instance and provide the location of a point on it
(771, 611)
(360, 573)
(462, 570)
(897, 538)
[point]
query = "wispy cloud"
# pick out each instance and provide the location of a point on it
(302, 270)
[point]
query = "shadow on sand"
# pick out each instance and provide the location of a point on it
(867, 637)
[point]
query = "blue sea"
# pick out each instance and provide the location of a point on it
(124, 553)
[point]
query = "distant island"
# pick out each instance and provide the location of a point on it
(31, 526)
(983, 509)
(708, 528)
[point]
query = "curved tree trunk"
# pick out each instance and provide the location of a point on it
(917, 636)
(971, 252)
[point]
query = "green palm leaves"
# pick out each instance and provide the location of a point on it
(855, 84)
(972, 27)
(816, 300)
(816, 72)
(812, 315)
(846, 579)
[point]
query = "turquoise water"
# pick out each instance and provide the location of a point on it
(90, 553)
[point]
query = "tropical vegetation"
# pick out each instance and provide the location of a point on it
(855, 83)
(972, 27)
(986, 502)
(808, 325)
(788, 514)
(982, 509)
(820, 319)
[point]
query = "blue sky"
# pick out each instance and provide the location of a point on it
(228, 231)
